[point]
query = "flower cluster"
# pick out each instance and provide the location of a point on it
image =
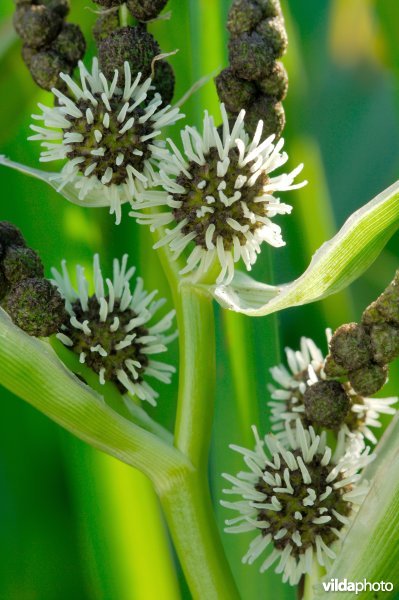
(110, 329)
(219, 196)
(299, 498)
(108, 134)
(300, 494)
(294, 384)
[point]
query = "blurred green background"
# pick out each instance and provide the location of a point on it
(75, 523)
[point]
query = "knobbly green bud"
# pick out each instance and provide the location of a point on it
(9, 236)
(3, 284)
(21, 263)
(274, 32)
(384, 343)
(272, 114)
(105, 25)
(45, 68)
(61, 7)
(145, 10)
(131, 44)
(276, 82)
(250, 56)
(37, 26)
(236, 93)
(372, 315)
(270, 8)
(350, 346)
(164, 81)
(37, 307)
(326, 404)
(243, 16)
(332, 369)
(368, 380)
(388, 303)
(27, 54)
(109, 3)
(70, 44)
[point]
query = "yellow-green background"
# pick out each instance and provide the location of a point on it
(74, 523)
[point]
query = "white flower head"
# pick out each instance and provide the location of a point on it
(108, 134)
(219, 196)
(111, 330)
(299, 499)
(305, 368)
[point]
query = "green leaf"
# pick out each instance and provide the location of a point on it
(93, 199)
(371, 549)
(30, 369)
(334, 266)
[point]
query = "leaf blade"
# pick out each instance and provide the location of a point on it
(334, 266)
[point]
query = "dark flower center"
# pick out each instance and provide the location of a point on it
(208, 195)
(102, 335)
(293, 503)
(121, 147)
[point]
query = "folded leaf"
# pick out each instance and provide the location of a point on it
(30, 368)
(68, 191)
(333, 267)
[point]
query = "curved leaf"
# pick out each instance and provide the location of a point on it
(333, 267)
(30, 368)
(69, 191)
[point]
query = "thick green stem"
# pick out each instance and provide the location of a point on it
(188, 510)
(197, 375)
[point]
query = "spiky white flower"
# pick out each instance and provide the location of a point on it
(110, 329)
(305, 367)
(108, 135)
(299, 499)
(219, 196)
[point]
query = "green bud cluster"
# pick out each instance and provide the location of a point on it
(255, 80)
(361, 352)
(50, 45)
(32, 302)
(133, 44)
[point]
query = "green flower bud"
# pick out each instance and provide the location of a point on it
(21, 263)
(9, 236)
(37, 307)
(388, 303)
(270, 8)
(37, 26)
(131, 44)
(164, 82)
(243, 16)
(250, 56)
(350, 346)
(332, 369)
(109, 3)
(61, 7)
(276, 82)
(274, 32)
(368, 380)
(236, 93)
(326, 404)
(45, 68)
(384, 343)
(372, 315)
(27, 54)
(70, 44)
(4, 287)
(271, 113)
(105, 25)
(145, 10)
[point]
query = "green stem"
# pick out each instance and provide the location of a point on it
(188, 510)
(197, 375)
